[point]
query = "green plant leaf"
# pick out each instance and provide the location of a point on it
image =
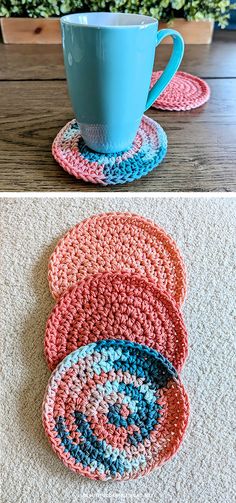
(166, 10)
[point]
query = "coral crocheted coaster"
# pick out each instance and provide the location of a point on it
(117, 241)
(115, 410)
(147, 152)
(118, 305)
(184, 92)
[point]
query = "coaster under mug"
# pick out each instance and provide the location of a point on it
(147, 152)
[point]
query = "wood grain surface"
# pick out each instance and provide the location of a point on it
(193, 32)
(47, 30)
(18, 30)
(34, 105)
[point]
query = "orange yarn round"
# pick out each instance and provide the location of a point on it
(117, 305)
(117, 241)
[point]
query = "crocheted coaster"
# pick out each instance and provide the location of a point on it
(115, 410)
(184, 92)
(117, 241)
(147, 152)
(118, 305)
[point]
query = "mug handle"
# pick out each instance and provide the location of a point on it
(172, 66)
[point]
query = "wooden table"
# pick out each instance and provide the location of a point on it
(34, 105)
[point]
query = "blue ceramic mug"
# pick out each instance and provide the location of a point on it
(109, 61)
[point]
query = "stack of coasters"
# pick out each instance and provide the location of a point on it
(115, 407)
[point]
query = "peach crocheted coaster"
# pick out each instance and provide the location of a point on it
(117, 241)
(184, 92)
(117, 305)
(115, 410)
(147, 152)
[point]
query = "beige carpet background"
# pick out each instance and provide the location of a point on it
(202, 471)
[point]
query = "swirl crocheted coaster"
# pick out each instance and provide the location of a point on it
(115, 410)
(117, 241)
(147, 152)
(184, 92)
(118, 305)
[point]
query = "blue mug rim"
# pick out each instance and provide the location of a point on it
(64, 20)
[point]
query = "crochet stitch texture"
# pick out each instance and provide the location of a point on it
(115, 410)
(116, 306)
(147, 152)
(184, 92)
(117, 241)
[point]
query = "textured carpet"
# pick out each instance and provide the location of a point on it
(202, 470)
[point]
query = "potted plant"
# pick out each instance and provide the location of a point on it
(35, 21)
